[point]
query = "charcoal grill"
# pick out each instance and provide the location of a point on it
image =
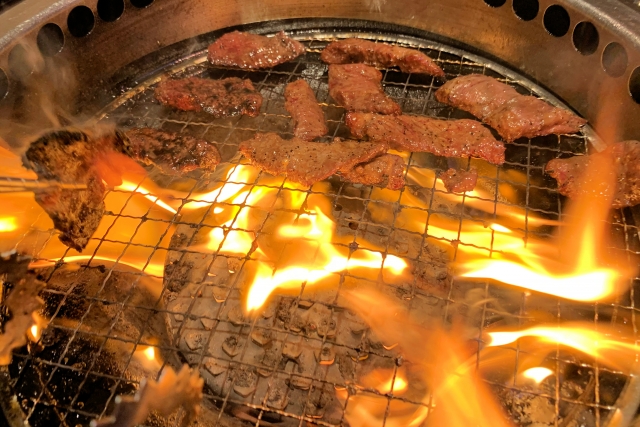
(576, 53)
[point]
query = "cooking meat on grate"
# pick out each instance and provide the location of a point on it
(500, 106)
(386, 171)
(459, 181)
(221, 98)
(246, 50)
(68, 156)
(349, 51)
(626, 156)
(356, 87)
(301, 103)
(171, 152)
(306, 162)
(449, 138)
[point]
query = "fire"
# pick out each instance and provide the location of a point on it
(614, 352)
(150, 353)
(317, 230)
(151, 269)
(35, 333)
(147, 356)
(537, 374)
(134, 188)
(8, 224)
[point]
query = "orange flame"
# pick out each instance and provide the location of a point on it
(152, 269)
(131, 187)
(537, 374)
(8, 224)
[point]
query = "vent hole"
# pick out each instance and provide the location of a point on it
(495, 3)
(586, 38)
(526, 9)
(614, 59)
(4, 84)
(80, 21)
(110, 10)
(634, 85)
(556, 20)
(19, 64)
(141, 3)
(50, 39)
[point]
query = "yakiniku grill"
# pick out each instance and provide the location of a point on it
(165, 280)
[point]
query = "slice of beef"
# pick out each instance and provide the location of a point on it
(449, 138)
(459, 181)
(171, 152)
(220, 98)
(306, 162)
(308, 118)
(68, 156)
(356, 87)
(349, 51)
(500, 106)
(386, 171)
(626, 156)
(246, 50)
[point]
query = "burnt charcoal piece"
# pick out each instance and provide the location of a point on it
(386, 171)
(349, 51)
(171, 152)
(220, 98)
(449, 138)
(626, 156)
(459, 181)
(246, 50)
(68, 156)
(356, 87)
(308, 118)
(306, 162)
(501, 107)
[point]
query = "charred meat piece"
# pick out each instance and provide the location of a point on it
(68, 156)
(306, 162)
(220, 98)
(501, 107)
(246, 50)
(459, 181)
(386, 171)
(626, 156)
(449, 138)
(171, 152)
(349, 51)
(356, 87)
(301, 103)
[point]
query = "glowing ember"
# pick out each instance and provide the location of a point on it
(8, 224)
(537, 374)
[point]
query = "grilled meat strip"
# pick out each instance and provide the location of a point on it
(459, 181)
(449, 138)
(386, 171)
(306, 162)
(246, 50)
(356, 87)
(221, 98)
(68, 156)
(301, 103)
(626, 156)
(349, 51)
(504, 109)
(171, 152)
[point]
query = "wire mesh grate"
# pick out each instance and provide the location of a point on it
(103, 314)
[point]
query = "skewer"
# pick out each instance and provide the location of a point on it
(22, 185)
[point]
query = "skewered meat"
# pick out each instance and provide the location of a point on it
(501, 107)
(449, 138)
(246, 50)
(308, 118)
(381, 55)
(220, 98)
(171, 152)
(306, 162)
(68, 156)
(626, 156)
(356, 87)
(386, 171)
(459, 181)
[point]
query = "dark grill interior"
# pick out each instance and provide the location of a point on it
(284, 367)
